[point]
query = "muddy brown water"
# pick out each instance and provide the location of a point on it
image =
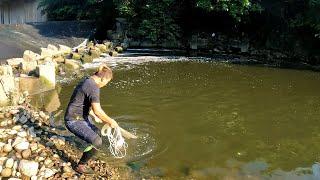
(207, 120)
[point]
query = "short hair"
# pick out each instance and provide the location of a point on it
(104, 72)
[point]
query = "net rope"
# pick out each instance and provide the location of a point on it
(117, 145)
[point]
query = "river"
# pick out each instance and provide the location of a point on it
(209, 120)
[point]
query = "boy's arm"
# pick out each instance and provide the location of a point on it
(99, 112)
(96, 119)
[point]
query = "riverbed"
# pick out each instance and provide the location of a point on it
(207, 120)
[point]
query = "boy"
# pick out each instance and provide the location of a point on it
(86, 96)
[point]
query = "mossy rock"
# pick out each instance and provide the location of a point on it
(81, 50)
(86, 58)
(113, 53)
(72, 64)
(90, 44)
(58, 59)
(76, 56)
(103, 48)
(95, 53)
(119, 49)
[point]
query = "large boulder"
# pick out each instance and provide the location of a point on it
(28, 168)
(30, 56)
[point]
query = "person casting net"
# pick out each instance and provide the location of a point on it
(85, 101)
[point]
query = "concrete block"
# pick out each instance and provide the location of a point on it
(65, 49)
(72, 64)
(30, 56)
(6, 70)
(33, 85)
(14, 62)
(45, 52)
(7, 85)
(47, 74)
(28, 66)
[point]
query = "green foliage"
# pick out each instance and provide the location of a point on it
(125, 8)
(309, 16)
(68, 9)
(236, 8)
(166, 20)
(157, 25)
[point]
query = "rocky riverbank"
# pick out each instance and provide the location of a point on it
(30, 148)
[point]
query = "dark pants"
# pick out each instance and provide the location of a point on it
(87, 131)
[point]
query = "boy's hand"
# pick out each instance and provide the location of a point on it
(114, 124)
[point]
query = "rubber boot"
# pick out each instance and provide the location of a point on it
(82, 166)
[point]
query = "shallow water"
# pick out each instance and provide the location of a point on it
(208, 120)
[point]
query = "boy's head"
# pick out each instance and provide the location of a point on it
(105, 74)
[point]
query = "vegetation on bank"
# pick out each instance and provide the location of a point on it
(292, 25)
